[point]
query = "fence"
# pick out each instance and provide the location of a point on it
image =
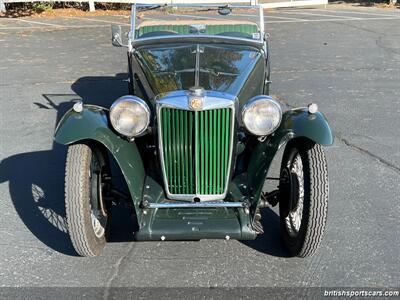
(271, 4)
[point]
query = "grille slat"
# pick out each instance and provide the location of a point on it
(178, 154)
(196, 149)
(227, 131)
(182, 156)
(201, 153)
(223, 133)
(210, 152)
(173, 152)
(218, 163)
(186, 156)
(197, 144)
(190, 139)
(215, 149)
(167, 141)
(206, 153)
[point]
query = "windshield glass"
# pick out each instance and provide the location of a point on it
(181, 66)
(154, 21)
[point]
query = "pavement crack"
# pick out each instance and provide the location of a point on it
(348, 143)
(370, 154)
(380, 44)
(117, 268)
(358, 27)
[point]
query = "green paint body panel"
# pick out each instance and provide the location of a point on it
(92, 124)
(295, 124)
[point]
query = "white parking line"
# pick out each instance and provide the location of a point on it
(48, 25)
(93, 26)
(350, 12)
(283, 18)
(266, 16)
(127, 16)
(245, 15)
(332, 20)
(94, 20)
(318, 15)
(195, 16)
(24, 27)
(36, 22)
(58, 27)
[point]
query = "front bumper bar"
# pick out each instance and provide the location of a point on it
(195, 205)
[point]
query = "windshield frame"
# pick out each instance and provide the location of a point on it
(237, 78)
(133, 41)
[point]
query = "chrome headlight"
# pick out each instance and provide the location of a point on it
(130, 116)
(261, 115)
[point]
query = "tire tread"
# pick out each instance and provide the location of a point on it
(76, 197)
(319, 192)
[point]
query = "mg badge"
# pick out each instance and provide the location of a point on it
(195, 103)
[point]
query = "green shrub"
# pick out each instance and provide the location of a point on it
(41, 7)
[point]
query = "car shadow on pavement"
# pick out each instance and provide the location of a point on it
(36, 179)
(101, 90)
(36, 189)
(270, 242)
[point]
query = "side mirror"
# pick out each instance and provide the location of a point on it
(116, 35)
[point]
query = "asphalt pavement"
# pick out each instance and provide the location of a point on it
(346, 59)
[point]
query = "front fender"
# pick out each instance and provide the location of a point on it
(92, 124)
(298, 123)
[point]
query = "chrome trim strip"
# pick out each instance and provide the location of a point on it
(211, 100)
(196, 128)
(197, 73)
(262, 24)
(180, 100)
(196, 205)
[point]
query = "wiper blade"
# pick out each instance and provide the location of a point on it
(202, 70)
(215, 73)
(223, 10)
(215, 8)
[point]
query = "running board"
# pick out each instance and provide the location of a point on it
(195, 205)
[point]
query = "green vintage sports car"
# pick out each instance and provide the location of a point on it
(195, 136)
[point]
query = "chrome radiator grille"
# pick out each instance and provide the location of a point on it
(196, 151)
